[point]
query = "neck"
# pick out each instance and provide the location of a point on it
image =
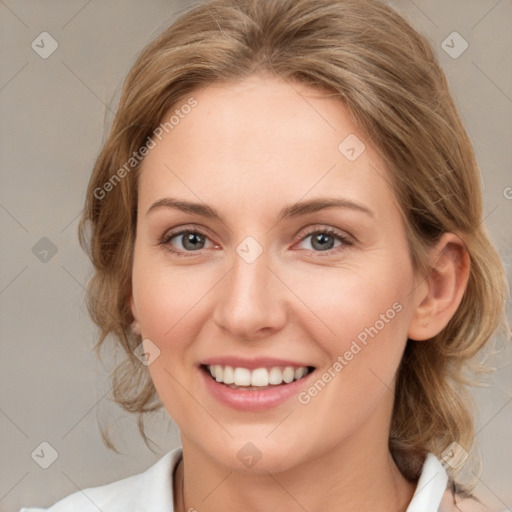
(349, 478)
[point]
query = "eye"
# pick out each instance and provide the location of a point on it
(323, 240)
(185, 241)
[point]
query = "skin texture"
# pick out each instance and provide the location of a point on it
(247, 150)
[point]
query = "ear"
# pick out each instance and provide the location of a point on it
(440, 293)
(135, 323)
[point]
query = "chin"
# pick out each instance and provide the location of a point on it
(256, 457)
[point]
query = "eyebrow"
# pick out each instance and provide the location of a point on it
(290, 211)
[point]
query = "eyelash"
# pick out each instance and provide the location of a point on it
(345, 241)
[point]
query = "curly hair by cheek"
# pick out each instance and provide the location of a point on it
(387, 75)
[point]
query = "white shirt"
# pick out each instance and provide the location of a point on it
(151, 491)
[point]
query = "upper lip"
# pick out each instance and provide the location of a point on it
(251, 364)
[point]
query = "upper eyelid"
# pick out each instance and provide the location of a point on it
(320, 229)
(171, 233)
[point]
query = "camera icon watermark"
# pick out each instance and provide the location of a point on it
(454, 456)
(44, 45)
(351, 147)
(454, 45)
(507, 193)
(249, 249)
(44, 250)
(44, 455)
(147, 352)
(249, 455)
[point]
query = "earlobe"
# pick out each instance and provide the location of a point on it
(443, 288)
(136, 327)
(135, 324)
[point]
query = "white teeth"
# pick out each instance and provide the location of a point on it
(275, 376)
(242, 377)
(288, 374)
(300, 372)
(259, 377)
(229, 375)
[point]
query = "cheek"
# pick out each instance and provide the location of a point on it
(360, 323)
(344, 304)
(165, 297)
(168, 303)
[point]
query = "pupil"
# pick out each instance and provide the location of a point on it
(323, 240)
(192, 240)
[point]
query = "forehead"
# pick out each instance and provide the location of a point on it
(262, 142)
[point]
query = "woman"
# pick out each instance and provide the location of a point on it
(286, 228)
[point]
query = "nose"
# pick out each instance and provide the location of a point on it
(251, 302)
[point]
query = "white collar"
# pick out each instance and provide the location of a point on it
(427, 496)
(151, 491)
(431, 486)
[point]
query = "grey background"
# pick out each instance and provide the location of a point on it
(53, 115)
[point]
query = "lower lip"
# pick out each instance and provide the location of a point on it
(252, 400)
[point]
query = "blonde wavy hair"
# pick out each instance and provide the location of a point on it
(387, 75)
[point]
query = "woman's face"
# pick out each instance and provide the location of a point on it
(272, 280)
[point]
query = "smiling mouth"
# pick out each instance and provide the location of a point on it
(257, 379)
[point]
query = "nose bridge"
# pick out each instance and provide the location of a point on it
(251, 300)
